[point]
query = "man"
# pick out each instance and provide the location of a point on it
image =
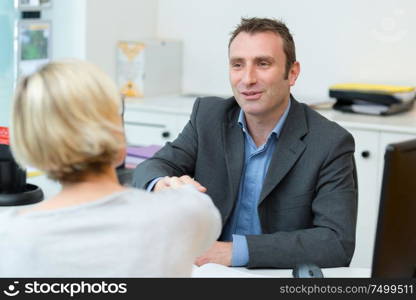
(282, 176)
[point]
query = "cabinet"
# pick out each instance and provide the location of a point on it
(367, 159)
(156, 120)
(148, 119)
(146, 128)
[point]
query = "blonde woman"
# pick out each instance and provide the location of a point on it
(66, 122)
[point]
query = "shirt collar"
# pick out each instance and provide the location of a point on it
(276, 130)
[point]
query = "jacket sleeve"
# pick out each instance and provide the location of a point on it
(176, 158)
(330, 241)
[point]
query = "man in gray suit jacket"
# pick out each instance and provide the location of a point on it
(282, 176)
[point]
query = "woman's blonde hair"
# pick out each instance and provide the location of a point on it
(66, 121)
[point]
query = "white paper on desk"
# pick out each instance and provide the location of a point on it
(369, 109)
(216, 270)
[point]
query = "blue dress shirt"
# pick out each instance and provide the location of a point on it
(245, 219)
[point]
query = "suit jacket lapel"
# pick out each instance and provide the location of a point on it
(289, 148)
(233, 141)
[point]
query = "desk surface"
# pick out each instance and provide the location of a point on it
(219, 271)
(182, 105)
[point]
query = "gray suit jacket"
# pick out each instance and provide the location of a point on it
(308, 203)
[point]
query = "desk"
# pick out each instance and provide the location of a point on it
(219, 271)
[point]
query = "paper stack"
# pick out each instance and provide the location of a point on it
(373, 99)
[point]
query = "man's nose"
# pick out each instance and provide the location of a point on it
(249, 77)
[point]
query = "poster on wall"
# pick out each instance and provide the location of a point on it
(34, 45)
(130, 68)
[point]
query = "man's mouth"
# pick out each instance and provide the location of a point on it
(251, 95)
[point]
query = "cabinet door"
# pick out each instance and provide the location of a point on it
(144, 135)
(148, 128)
(366, 157)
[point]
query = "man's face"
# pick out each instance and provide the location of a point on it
(257, 73)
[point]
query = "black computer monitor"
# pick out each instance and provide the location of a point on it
(395, 245)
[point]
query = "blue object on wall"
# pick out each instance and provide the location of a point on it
(8, 16)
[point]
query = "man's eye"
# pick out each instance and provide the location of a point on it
(264, 63)
(236, 65)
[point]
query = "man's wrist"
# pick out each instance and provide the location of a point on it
(152, 184)
(239, 256)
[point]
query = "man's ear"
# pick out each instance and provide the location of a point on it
(294, 73)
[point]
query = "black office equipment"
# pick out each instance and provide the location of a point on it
(372, 99)
(307, 271)
(369, 108)
(13, 187)
(12, 178)
(395, 245)
(31, 14)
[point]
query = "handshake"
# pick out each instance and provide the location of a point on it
(177, 182)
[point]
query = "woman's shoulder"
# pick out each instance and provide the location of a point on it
(11, 225)
(7, 215)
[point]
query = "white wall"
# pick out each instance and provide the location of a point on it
(90, 29)
(68, 28)
(109, 21)
(337, 41)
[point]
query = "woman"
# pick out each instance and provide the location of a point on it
(66, 122)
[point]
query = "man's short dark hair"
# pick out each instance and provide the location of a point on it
(256, 25)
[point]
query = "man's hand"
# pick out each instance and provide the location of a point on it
(176, 182)
(219, 253)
